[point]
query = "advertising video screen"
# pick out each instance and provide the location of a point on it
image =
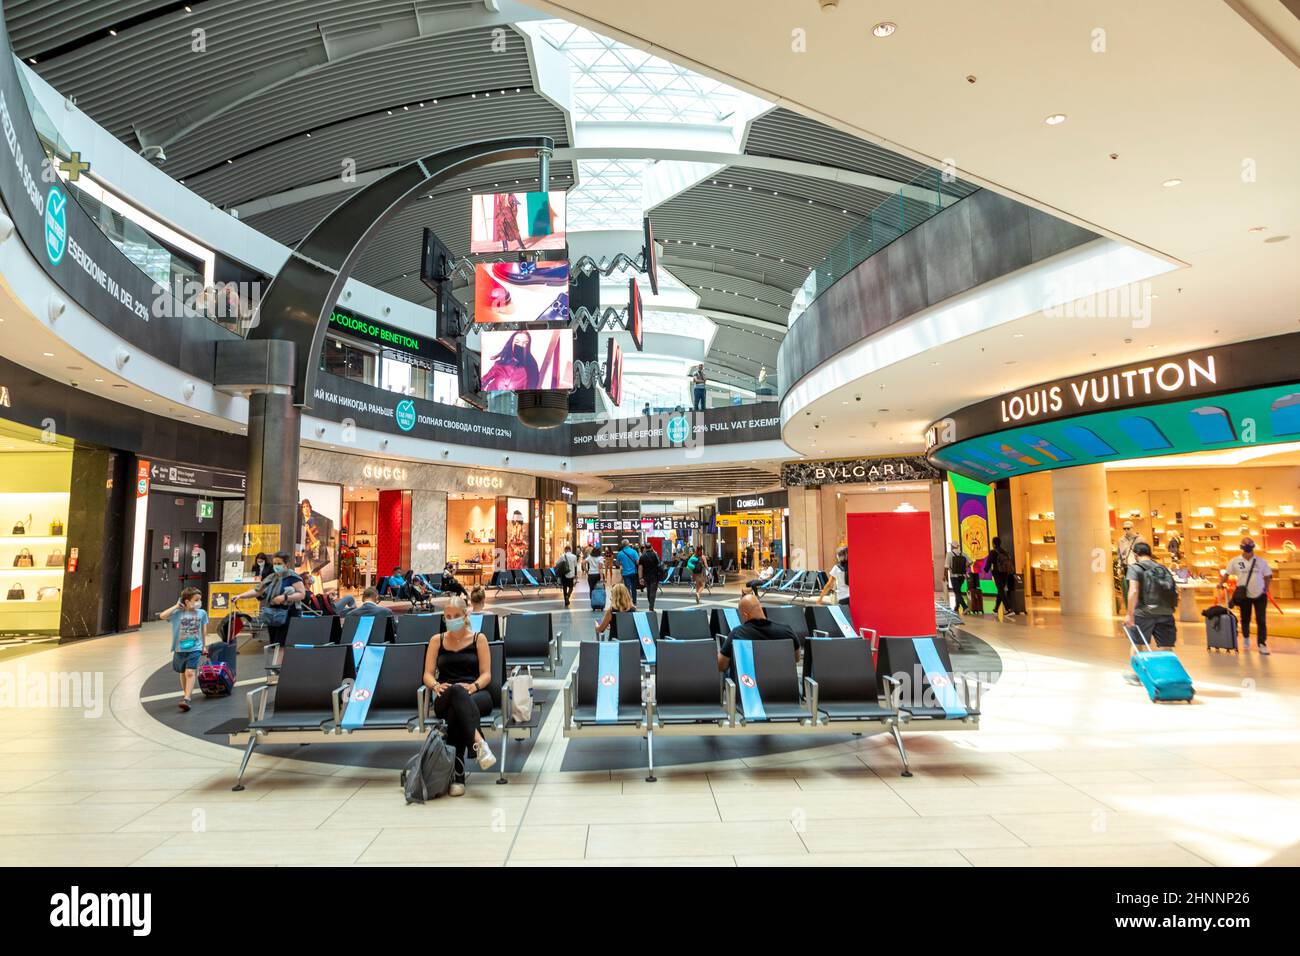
(634, 316)
(614, 373)
(516, 222)
(541, 359)
(651, 258)
(521, 292)
(320, 510)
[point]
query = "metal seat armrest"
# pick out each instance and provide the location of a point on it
(271, 654)
(821, 633)
(336, 702)
(422, 705)
(875, 638)
(256, 695)
(559, 655)
(894, 697)
(729, 692)
(568, 702)
(505, 703)
(811, 694)
(966, 682)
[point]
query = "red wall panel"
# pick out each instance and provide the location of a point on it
(388, 549)
(891, 574)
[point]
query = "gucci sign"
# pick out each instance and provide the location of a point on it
(384, 472)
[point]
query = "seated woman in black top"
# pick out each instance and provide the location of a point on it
(458, 669)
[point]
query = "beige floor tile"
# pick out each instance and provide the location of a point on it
(1134, 855)
(882, 859)
(905, 834)
(549, 842)
(181, 816)
(934, 802)
(70, 818)
(77, 850)
(440, 845)
(262, 848)
(474, 809)
(640, 807)
(780, 778)
(690, 839)
(666, 861)
(128, 779)
(811, 805)
(14, 780)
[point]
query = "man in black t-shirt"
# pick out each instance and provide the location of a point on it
(647, 569)
(754, 626)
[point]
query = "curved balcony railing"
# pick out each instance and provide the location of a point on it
(912, 204)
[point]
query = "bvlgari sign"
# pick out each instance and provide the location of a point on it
(858, 471)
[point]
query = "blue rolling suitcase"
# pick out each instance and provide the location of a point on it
(598, 598)
(1161, 672)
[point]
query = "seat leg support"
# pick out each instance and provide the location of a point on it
(650, 756)
(505, 745)
(902, 751)
(243, 764)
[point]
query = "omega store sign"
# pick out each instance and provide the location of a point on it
(1229, 368)
(758, 501)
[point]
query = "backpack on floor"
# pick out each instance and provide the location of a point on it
(429, 773)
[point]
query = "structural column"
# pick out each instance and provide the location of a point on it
(1083, 540)
(272, 490)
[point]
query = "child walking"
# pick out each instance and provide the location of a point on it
(189, 624)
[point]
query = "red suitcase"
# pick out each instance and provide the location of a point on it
(215, 680)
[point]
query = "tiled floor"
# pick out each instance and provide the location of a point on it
(1072, 766)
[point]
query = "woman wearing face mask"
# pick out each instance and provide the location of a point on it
(261, 566)
(458, 669)
(281, 588)
(838, 579)
(513, 369)
(189, 623)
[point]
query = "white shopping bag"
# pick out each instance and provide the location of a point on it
(521, 696)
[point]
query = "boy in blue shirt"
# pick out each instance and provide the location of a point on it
(189, 624)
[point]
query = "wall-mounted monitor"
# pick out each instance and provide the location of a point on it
(651, 258)
(452, 318)
(521, 292)
(614, 372)
(634, 316)
(516, 222)
(436, 261)
(467, 378)
(536, 359)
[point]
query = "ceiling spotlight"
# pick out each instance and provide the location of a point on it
(1172, 182)
(1056, 119)
(1257, 228)
(884, 28)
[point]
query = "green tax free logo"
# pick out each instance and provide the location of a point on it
(405, 415)
(678, 429)
(56, 225)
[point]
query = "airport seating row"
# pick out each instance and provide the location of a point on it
(622, 688)
(336, 693)
(792, 584)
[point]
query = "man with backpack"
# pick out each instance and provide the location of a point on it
(1152, 598)
(957, 565)
(566, 569)
(648, 565)
(627, 558)
(1003, 569)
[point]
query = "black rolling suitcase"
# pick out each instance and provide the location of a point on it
(1220, 630)
(974, 596)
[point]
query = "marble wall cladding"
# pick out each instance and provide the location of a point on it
(428, 530)
(232, 527)
(316, 464)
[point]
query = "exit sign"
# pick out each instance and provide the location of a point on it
(206, 509)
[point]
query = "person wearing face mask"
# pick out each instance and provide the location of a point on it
(261, 566)
(956, 565)
(189, 623)
(1250, 576)
(458, 669)
(282, 588)
(513, 369)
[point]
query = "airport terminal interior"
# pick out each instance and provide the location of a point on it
(595, 432)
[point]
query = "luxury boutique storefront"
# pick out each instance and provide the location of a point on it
(1190, 453)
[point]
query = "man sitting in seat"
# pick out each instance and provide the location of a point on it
(754, 626)
(370, 606)
(763, 577)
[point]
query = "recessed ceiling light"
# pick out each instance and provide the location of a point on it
(885, 28)
(1056, 119)
(48, 354)
(1257, 228)
(1018, 335)
(1172, 182)
(1273, 239)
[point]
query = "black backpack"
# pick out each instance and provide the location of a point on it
(1002, 563)
(959, 565)
(1157, 590)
